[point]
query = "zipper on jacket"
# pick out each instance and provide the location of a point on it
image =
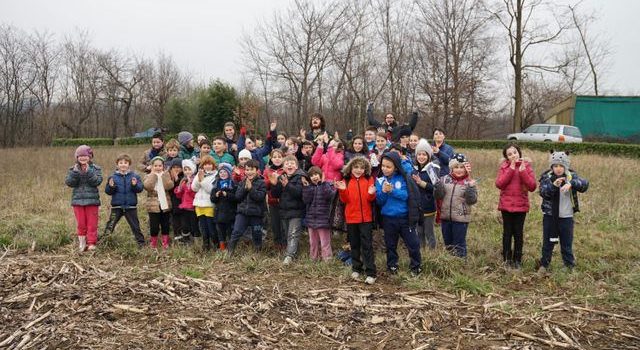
(451, 201)
(360, 196)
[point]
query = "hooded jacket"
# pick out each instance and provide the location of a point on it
(85, 185)
(317, 199)
(186, 195)
(358, 203)
(124, 195)
(514, 186)
(203, 189)
(251, 202)
(291, 204)
(331, 162)
(404, 198)
(549, 192)
(226, 206)
(457, 197)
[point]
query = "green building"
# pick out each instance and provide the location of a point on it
(609, 117)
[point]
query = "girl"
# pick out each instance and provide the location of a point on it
(376, 154)
(457, 192)
(514, 180)
(85, 177)
(186, 195)
(257, 153)
(331, 162)
(426, 174)
(317, 195)
(358, 194)
(158, 183)
(357, 149)
(223, 196)
(202, 184)
(414, 139)
(275, 167)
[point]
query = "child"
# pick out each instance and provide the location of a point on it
(292, 145)
(123, 187)
(250, 196)
(202, 184)
(457, 192)
(442, 152)
(205, 150)
(376, 154)
(370, 137)
(230, 138)
(358, 194)
(156, 150)
(288, 188)
(398, 198)
(317, 195)
(257, 153)
(426, 174)
(220, 155)
(186, 195)
(238, 172)
(275, 167)
(514, 180)
(174, 168)
(304, 155)
(187, 150)
(332, 161)
(85, 177)
(414, 139)
(357, 149)
(173, 149)
(158, 183)
(559, 187)
(223, 197)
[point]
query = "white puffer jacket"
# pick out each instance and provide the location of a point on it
(203, 190)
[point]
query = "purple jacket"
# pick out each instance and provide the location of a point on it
(318, 198)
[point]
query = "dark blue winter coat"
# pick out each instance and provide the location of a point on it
(548, 191)
(85, 185)
(291, 204)
(226, 206)
(427, 200)
(124, 195)
(317, 199)
(444, 156)
(259, 152)
(252, 202)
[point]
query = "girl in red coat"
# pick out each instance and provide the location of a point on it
(515, 179)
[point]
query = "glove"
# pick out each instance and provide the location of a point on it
(243, 131)
(374, 160)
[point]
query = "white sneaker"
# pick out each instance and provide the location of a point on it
(355, 276)
(82, 243)
(370, 280)
(287, 260)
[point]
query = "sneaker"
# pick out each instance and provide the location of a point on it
(287, 260)
(543, 270)
(517, 265)
(370, 280)
(91, 247)
(554, 239)
(416, 272)
(355, 276)
(393, 270)
(82, 243)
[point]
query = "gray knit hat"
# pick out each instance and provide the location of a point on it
(424, 146)
(184, 137)
(561, 158)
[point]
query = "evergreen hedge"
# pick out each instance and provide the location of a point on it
(607, 149)
(82, 141)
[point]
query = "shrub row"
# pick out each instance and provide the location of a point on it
(122, 141)
(83, 141)
(608, 149)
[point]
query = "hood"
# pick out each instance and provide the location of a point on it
(397, 161)
(346, 171)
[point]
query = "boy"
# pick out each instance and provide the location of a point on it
(559, 187)
(250, 196)
(288, 188)
(205, 150)
(223, 197)
(220, 155)
(397, 196)
(157, 149)
(370, 137)
(123, 187)
(257, 152)
(304, 155)
(173, 149)
(187, 150)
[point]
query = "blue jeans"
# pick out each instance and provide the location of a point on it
(394, 228)
(565, 233)
(454, 235)
(240, 226)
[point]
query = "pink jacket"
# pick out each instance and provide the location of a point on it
(331, 163)
(514, 186)
(185, 194)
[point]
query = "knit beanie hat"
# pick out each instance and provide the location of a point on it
(456, 160)
(561, 158)
(188, 163)
(177, 161)
(84, 150)
(226, 167)
(184, 137)
(244, 154)
(424, 146)
(400, 131)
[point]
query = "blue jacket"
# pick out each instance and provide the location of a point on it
(259, 153)
(443, 157)
(124, 195)
(404, 199)
(548, 191)
(85, 185)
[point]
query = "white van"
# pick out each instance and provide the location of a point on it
(548, 133)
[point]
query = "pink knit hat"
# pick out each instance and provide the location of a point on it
(84, 150)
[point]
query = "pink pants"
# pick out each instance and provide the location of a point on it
(87, 219)
(320, 239)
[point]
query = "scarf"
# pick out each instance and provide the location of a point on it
(162, 195)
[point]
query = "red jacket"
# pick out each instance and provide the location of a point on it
(331, 163)
(358, 202)
(271, 200)
(185, 194)
(514, 186)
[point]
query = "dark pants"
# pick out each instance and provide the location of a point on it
(279, 237)
(254, 223)
(513, 226)
(361, 242)
(131, 215)
(189, 224)
(208, 230)
(176, 221)
(159, 222)
(224, 231)
(565, 232)
(394, 228)
(454, 235)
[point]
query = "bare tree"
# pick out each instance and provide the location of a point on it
(161, 80)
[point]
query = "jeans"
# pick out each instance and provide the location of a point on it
(454, 235)
(565, 231)
(513, 226)
(293, 228)
(254, 223)
(394, 228)
(361, 242)
(426, 233)
(131, 215)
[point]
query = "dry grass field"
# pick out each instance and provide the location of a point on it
(122, 297)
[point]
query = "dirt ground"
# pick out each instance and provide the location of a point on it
(70, 301)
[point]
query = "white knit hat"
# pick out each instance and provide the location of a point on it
(424, 146)
(244, 154)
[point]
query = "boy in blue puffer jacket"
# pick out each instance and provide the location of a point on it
(123, 187)
(397, 195)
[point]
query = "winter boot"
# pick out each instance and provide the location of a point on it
(82, 243)
(223, 246)
(165, 241)
(154, 242)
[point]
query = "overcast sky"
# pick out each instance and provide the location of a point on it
(203, 36)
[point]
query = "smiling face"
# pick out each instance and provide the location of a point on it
(369, 136)
(208, 167)
(219, 146)
(388, 168)
(389, 119)
(281, 139)
(316, 178)
(358, 144)
(381, 142)
(251, 172)
(249, 145)
(438, 137)
(84, 160)
(315, 123)
(276, 158)
(357, 170)
(290, 167)
(187, 171)
(307, 149)
(157, 166)
(422, 158)
(123, 165)
(156, 143)
(512, 154)
(458, 170)
(413, 141)
(229, 132)
(223, 174)
(242, 161)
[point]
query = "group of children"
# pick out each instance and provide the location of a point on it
(388, 178)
